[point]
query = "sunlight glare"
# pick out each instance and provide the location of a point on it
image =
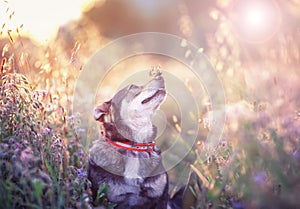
(255, 17)
(39, 19)
(256, 20)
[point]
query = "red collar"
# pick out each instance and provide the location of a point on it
(139, 147)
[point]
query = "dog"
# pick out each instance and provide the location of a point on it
(125, 157)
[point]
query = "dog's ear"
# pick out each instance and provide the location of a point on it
(102, 110)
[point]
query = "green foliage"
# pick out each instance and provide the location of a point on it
(43, 163)
(257, 167)
(264, 171)
(35, 170)
(19, 111)
(101, 198)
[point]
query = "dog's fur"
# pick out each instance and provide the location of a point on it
(136, 179)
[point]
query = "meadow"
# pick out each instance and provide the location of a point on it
(255, 165)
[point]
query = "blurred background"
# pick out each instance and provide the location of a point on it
(252, 44)
(253, 41)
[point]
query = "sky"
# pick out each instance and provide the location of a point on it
(39, 18)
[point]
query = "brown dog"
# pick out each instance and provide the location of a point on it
(126, 158)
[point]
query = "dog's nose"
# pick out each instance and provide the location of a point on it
(157, 82)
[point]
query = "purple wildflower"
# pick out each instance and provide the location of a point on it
(260, 177)
(238, 205)
(46, 131)
(81, 173)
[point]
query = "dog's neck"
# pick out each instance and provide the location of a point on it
(137, 123)
(128, 145)
(125, 133)
(142, 132)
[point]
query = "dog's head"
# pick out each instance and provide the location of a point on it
(127, 116)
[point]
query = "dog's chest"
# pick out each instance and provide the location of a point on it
(133, 177)
(131, 165)
(136, 192)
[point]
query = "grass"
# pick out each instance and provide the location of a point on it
(36, 171)
(43, 163)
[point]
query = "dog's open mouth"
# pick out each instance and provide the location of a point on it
(156, 94)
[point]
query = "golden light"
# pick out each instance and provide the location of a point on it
(39, 19)
(256, 20)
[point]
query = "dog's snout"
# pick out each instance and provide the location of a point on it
(157, 82)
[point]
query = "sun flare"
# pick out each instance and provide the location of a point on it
(256, 20)
(255, 17)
